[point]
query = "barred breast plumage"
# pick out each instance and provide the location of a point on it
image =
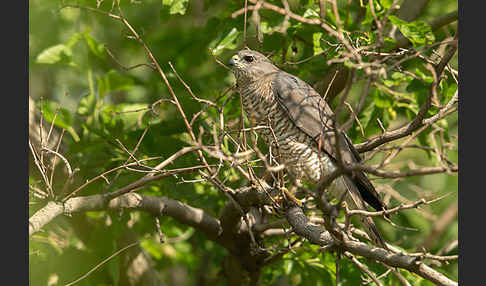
(297, 150)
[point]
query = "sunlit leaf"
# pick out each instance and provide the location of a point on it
(316, 40)
(176, 6)
(382, 99)
(386, 3)
(55, 54)
(227, 42)
(418, 32)
(311, 13)
(154, 248)
(73, 40)
(96, 48)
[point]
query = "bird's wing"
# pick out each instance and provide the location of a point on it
(311, 113)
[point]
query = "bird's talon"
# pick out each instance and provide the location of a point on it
(292, 198)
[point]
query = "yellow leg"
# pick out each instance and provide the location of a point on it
(291, 197)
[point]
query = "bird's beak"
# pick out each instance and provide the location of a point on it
(233, 60)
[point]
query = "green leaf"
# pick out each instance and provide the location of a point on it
(288, 265)
(176, 6)
(418, 32)
(401, 76)
(87, 105)
(316, 40)
(368, 19)
(381, 99)
(73, 40)
(55, 54)
(368, 119)
(129, 113)
(425, 77)
(389, 83)
(266, 28)
(113, 81)
(96, 48)
(311, 14)
(228, 42)
(448, 91)
(419, 90)
(411, 109)
(152, 247)
(386, 3)
(119, 82)
(60, 53)
(391, 112)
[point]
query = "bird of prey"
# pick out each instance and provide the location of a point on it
(303, 131)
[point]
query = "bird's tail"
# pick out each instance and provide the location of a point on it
(355, 201)
(372, 231)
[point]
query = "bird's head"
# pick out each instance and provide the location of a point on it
(248, 66)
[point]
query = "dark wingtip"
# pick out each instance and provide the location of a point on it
(374, 233)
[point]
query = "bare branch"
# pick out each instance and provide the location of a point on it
(316, 235)
(393, 210)
(156, 206)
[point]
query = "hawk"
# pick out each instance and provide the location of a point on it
(302, 129)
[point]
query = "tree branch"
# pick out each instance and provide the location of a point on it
(157, 206)
(419, 120)
(316, 235)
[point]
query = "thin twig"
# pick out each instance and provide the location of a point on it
(101, 263)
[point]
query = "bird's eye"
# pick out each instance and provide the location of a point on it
(248, 58)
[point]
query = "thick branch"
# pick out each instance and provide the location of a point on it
(317, 235)
(157, 206)
(246, 197)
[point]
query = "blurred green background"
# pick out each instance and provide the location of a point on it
(70, 69)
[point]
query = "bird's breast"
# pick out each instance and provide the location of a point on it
(294, 147)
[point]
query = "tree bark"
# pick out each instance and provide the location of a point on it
(317, 235)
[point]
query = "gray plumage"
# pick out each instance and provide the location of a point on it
(302, 122)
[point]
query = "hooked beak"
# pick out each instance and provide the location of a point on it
(233, 60)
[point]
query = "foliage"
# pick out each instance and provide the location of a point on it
(86, 77)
